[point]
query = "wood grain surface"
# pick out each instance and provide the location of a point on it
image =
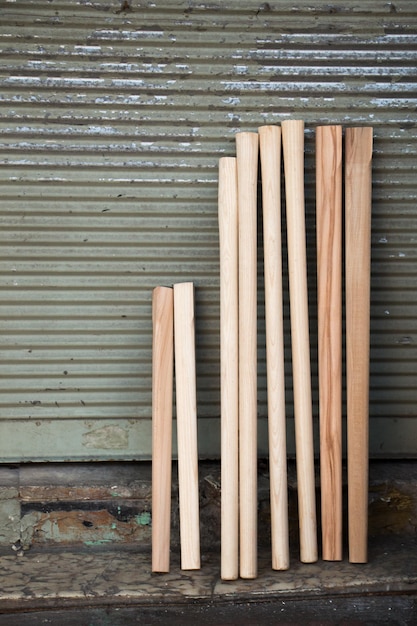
(293, 152)
(329, 299)
(358, 202)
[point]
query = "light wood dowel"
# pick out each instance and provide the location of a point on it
(358, 201)
(247, 174)
(293, 151)
(162, 397)
(229, 371)
(186, 407)
(270, 153)
(329, 298)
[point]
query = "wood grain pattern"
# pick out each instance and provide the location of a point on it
(293, 151)
(162, 397)
(329, 298)
(229, 370)
(358, 201)
(270, 153)
(186, 407)
(247, 174)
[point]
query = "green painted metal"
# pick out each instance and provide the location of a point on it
(111, 126)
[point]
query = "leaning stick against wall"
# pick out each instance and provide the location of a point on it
(270, 151)
(358, 201)
(247, 174)
(229, 372)
(329, 298)
(162, 396)
(186, 404)
(293, 150)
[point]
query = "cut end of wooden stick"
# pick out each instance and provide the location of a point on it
(291, 124)
(269, 129)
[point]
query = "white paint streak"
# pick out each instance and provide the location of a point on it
(231, 100)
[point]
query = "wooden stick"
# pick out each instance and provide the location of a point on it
(229, 371)
(247, 174)
(329, 296)
(358, 200)
(270, 151)
(162, 393)
(186, 403)
(293, 150)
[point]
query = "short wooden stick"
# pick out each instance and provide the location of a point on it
(229, 370)
(162, 395)
(358, 201)
(270, 152)
(247, 175)
(293, 150)
(329, 298)
(186, 409)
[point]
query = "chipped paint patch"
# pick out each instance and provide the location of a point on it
(143, 519)
(9, 515)
(107, 438)
(95, 527)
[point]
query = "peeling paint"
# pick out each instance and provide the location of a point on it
(95, 527)
(9, 515)
(143, 519)
(107, 438)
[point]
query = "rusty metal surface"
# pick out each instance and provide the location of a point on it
(112, 119)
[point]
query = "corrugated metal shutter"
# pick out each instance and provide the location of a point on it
(113, 117)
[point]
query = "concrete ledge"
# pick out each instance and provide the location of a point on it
(48, 579)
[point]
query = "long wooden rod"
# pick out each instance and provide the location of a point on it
(270, 152)
(247, 173)
(293, 150)
(186, 405)
(162, 397)
(329, 300)
(229, 367)
(358, 202)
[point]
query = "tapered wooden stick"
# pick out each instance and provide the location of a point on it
(329, 297)
(186, 405)
(293, 150)
(229, 370)
(162, 395)
(358, 200)
(270, 151)
(247, 173)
